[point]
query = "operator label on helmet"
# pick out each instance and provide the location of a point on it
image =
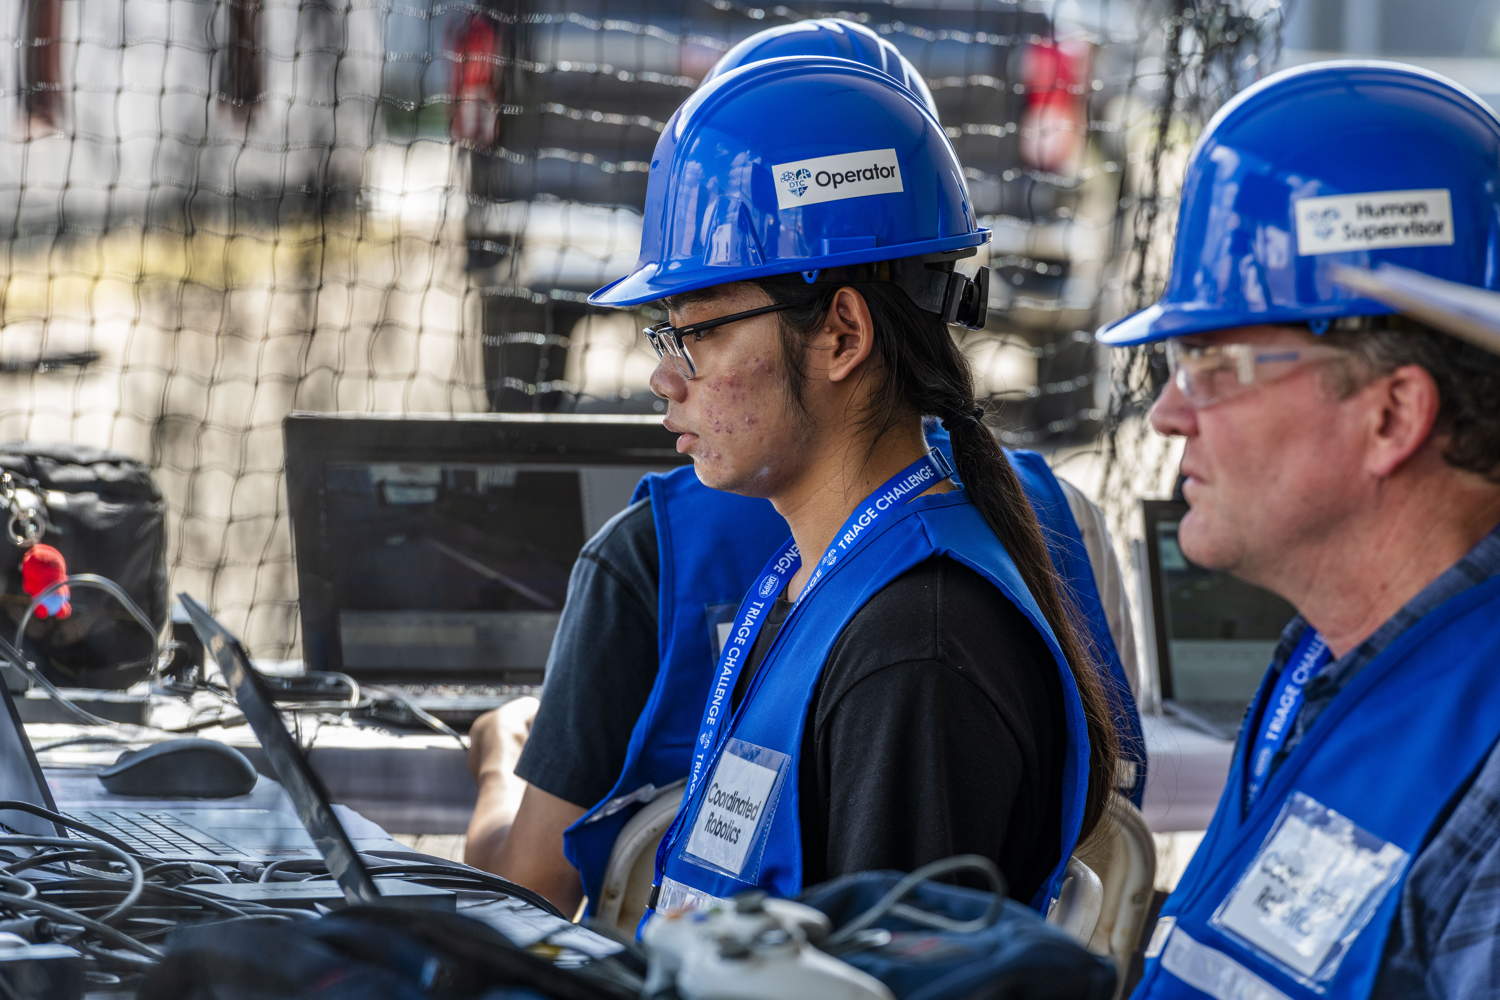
(843, 175)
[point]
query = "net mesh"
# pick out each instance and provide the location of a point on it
(218, 213)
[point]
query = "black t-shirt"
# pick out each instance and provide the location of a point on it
(602, 664)
(936, 728)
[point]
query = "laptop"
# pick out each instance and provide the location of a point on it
(1214, 634)
(165, 829)
(433, 552)
(302, 784)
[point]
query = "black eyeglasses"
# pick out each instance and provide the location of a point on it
(668, 340)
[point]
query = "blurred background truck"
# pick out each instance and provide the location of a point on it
(559, 104)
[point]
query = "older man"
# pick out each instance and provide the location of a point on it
(1349, 460)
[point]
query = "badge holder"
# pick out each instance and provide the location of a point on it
(732, 823)
(1313, 887)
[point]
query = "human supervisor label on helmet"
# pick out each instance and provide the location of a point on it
(833, 178)
(1374, 220)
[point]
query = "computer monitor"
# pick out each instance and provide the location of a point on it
(438, 548)
(1215, 634)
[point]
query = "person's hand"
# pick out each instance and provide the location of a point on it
(497, 736)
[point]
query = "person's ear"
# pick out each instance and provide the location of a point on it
(848, 334)
(1404, 411)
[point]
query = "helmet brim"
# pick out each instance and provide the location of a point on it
(1164, 321)
(648, 282)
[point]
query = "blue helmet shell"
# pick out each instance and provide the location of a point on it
(1326, 166)
(827, 36)
(794, 164)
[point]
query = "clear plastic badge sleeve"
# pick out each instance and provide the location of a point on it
(734, 815)
(1315, 884)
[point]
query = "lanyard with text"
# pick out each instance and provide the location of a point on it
(908, 484)
(1305, 663)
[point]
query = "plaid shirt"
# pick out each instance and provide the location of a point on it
(1445, 941)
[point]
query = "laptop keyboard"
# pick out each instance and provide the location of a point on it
(156, 833)
(498, 693)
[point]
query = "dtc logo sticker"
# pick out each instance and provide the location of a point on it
(796, 180)
(834, 178)
(1374, 220)
(1325, 222)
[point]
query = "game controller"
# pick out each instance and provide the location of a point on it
(750, 948)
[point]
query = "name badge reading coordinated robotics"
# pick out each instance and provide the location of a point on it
(1315, 884)
(734, 817)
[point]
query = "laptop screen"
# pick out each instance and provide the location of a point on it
(1214, 633)
(21, 778)
(439, 549)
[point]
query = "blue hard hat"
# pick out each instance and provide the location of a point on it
(827, 36)
(1319, 168)
(790, 165)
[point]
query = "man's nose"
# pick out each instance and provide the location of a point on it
(1172, 415)
(667, 381)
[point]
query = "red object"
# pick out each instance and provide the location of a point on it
(1054, 125)
(477, 82)
(42, 566)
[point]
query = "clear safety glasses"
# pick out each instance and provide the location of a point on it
(1211, 373)
(670, 342)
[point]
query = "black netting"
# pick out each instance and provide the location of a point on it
(218, 212)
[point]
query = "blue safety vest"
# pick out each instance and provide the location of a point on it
(1071, 560)
(747, 805)
(1292, 893)
(710, 546)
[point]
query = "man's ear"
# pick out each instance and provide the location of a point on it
(848, 334)
(1405, 411)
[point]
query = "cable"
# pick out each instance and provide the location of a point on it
(203, 870)
(85, 740)
(424, 715)
(65, 916)
(63, 819)
(891, 901)
(14, 655)
(381, 865)
(19, 886)
(104, 583)
(276, 866)
(137, 879)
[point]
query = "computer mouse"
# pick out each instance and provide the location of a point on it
(185, 768)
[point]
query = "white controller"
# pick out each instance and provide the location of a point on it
(752, 947)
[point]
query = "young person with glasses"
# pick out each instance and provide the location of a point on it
(903, 681)
(650, 564)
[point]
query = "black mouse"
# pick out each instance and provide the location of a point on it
(185, 768)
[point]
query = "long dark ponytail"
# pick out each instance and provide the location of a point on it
(922, 371)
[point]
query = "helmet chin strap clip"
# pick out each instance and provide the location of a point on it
(934, 286)
(966, 301)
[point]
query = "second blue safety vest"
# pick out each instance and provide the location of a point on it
(1293, 890)
(741, 828)
(1070, 557)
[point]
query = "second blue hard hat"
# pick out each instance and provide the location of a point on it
(1331, 165)
(827, 36)
(794, 165)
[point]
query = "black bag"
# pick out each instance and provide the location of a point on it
(366, 953)
(102, 511)
(1016, 956)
